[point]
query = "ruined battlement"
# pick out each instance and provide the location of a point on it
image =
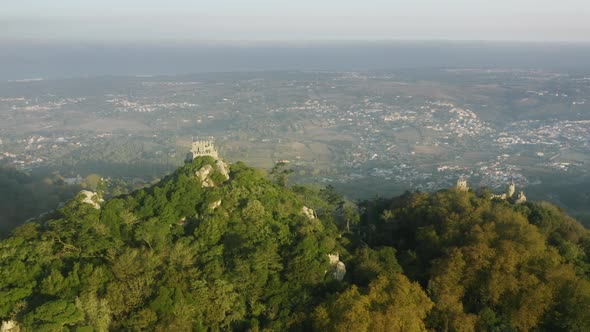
(511, 195)
(510, 189)
(203, 148)
(462, 184)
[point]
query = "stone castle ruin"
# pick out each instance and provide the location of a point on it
(201, 148)
(462, 184)
(508, 195)
(510, 189)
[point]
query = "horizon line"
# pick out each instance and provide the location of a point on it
(142, 41)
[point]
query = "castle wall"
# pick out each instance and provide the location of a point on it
(203, 148)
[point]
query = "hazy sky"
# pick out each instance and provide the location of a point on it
(181, 20)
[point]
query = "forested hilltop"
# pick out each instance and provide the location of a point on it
(228, 247)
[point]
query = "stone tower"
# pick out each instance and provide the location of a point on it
(510, 190)
(462, 184)
(201, 149)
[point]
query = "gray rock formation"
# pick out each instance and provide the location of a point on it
(521, 198)
(309, 213)
(340, 271)
(223, 168)
(214, 205)
(91, 198)
(204, 176)
(338, 267)
(9, 326)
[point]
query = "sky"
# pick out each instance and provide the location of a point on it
(295, 20)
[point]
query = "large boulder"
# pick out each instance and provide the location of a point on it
(521, 199)
(214, 205)
(9, 326)
(338, 268)
(91, 198)
(204, 174)
(309, 213)
(223, 168)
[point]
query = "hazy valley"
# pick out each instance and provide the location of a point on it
(365, 133)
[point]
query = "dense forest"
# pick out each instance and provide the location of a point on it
(205, 249)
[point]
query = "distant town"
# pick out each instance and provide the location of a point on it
(404, 131)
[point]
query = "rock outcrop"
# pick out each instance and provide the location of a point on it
(223, 168)
(309, 213)
(338, 267)
(521, 198)
(204, 174)
(91, 198)
(9, 326)
(214, 205)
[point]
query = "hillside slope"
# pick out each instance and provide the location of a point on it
(204, 250)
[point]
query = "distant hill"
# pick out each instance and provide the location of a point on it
(23, 196)
(205, 250)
